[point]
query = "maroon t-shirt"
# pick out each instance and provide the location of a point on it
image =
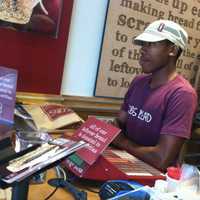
(168, 109)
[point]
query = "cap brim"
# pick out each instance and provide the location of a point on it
(148, 37)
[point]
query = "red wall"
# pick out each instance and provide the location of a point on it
(38, 58)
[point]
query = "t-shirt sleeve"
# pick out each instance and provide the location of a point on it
(179, 114)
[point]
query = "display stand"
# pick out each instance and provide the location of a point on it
(20, 190)
(19, 181)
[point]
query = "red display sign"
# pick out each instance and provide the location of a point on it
(98, 134)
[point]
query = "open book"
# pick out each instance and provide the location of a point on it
(49, 117)
(44, 155)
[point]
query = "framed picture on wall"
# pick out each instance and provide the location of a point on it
(41, 16)
(118, 63)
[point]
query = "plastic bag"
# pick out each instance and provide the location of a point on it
(183, 187)
(190, 179)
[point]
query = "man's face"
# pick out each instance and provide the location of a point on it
(154, 56)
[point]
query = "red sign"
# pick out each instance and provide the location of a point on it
(98, 134)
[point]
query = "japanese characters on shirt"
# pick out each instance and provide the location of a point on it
(139, 113)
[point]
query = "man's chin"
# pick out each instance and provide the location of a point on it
(146, 71)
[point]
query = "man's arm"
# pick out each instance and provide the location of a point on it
(159, 156)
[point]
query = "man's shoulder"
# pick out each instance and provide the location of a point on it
(183, 91)
(184, 85)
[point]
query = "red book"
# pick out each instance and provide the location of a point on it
(98, 134)
(101, 163)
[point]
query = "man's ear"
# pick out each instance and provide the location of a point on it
(173, 50)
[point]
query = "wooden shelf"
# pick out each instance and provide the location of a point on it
(84, 106)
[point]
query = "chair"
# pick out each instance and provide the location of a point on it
(191, 149)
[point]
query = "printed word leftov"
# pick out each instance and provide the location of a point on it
(123, 68)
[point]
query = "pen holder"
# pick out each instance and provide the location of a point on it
(173, 178)
(172, 184)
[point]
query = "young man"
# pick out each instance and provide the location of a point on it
(156, 116)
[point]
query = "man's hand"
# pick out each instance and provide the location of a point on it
(113, 122)
(120, 141)
(160, 155)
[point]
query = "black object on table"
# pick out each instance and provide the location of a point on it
(7, 153)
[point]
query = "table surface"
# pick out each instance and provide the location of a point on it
(41, 191)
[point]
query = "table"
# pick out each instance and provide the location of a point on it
(41, 191)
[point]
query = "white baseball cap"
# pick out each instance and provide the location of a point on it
(164, 30)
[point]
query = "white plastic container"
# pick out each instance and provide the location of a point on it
(172, 184)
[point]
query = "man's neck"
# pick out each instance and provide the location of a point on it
(160, 78)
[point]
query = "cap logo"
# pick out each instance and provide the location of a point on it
(161, 27)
